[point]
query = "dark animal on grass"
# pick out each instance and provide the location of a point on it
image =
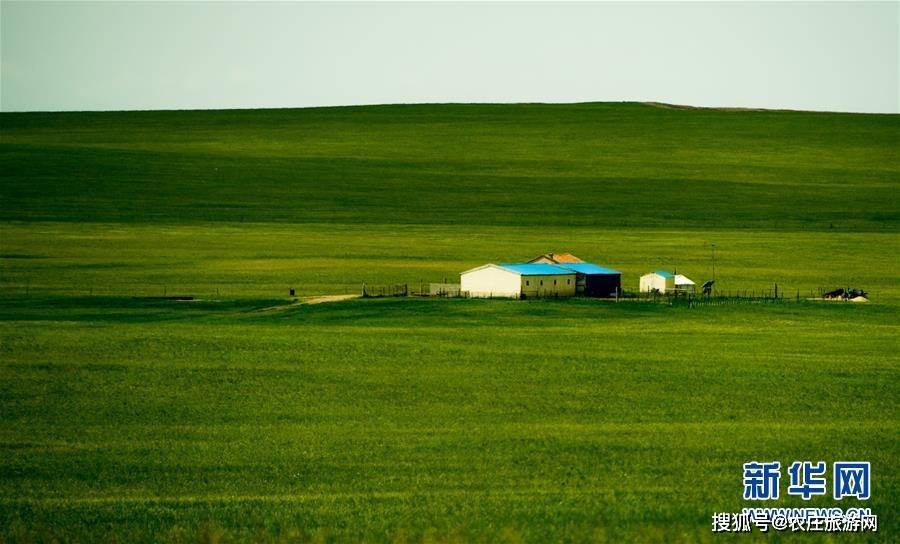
(837, 293)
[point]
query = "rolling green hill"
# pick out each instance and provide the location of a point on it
(244, 417)
(600, 165)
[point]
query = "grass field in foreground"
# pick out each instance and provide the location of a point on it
(457, 419)
(405, 420)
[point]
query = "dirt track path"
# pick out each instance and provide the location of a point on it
(319, 299)
(327, 298)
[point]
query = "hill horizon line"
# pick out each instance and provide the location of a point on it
(650, 103)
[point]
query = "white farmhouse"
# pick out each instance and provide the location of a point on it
(529, 280)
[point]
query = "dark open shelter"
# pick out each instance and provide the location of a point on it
(592, 280)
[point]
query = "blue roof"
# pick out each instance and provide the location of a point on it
(664, 274)
(589, 269)
(536, 269)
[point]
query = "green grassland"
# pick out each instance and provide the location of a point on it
(242, 416)
(603, 165)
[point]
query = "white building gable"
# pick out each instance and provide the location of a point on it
(490, 280)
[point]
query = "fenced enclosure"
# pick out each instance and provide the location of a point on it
(149, 290)
(774, 295)
(420, 289)
(443, 289)
(728, 299)
(392, 290)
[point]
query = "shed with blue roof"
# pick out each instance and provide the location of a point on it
(518, 280)
(660, 281)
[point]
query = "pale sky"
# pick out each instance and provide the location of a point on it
(832, 56)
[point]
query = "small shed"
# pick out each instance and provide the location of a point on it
(666, 282)
(660, 281)
(592, 280)
(518, 280)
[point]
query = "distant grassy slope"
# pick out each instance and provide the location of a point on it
(604, 165)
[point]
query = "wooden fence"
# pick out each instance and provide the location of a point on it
(393, 290)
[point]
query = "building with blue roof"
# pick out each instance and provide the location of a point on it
(541, 278)
(591, 280)
(518, 280)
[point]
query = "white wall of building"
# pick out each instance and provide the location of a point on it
(497, 282)
(490, 281)
(652, 281)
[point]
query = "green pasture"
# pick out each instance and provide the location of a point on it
(244, 416)
(217, 261)
(603, 165)
(452, 419)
